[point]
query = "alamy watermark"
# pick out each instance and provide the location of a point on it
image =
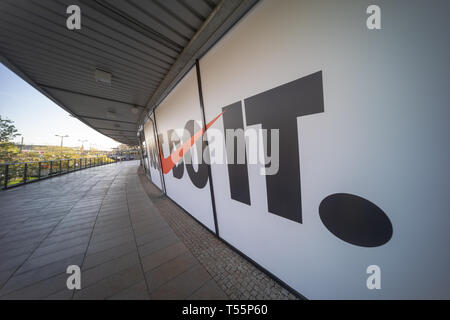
(374, 280)
(252, 146)
(74, 280)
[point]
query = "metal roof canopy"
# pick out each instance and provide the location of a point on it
(147, 46)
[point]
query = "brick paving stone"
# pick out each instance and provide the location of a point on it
(224, 265)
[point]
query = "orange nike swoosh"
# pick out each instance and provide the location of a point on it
(171, 161)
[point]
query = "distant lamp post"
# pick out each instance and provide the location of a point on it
(62, 139)
(82, 144)
(21, 143)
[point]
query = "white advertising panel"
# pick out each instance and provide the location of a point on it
(359, 205)
(152, 152)
(178, 118)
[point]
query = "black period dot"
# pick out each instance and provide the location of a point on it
(355, 220)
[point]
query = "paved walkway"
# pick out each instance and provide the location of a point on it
(129, 245)
(236, 276)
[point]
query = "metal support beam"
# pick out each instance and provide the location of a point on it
(202, 107)
(90, 95)
(125, 19)
(115, 129)
(103, 119)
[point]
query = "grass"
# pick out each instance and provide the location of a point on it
(14, 181)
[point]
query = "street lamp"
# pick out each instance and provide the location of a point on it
(21, 143)
(62, 139)
(82, 144)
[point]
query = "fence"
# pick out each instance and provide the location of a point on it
(15, 174)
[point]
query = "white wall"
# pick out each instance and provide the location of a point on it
(181, 105)
(150, 143)
(383, 136)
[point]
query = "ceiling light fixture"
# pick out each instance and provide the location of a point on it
(103, 76)
(134, 110)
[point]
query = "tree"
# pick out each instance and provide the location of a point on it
(7, 130)
(8, 152)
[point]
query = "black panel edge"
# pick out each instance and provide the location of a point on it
(202, 108)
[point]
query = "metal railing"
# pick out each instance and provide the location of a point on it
(20, 173)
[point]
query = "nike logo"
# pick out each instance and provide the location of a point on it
(171, 161)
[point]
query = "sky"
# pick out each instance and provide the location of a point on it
(38, 119)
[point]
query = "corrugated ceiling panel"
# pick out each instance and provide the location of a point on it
(138, 42)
